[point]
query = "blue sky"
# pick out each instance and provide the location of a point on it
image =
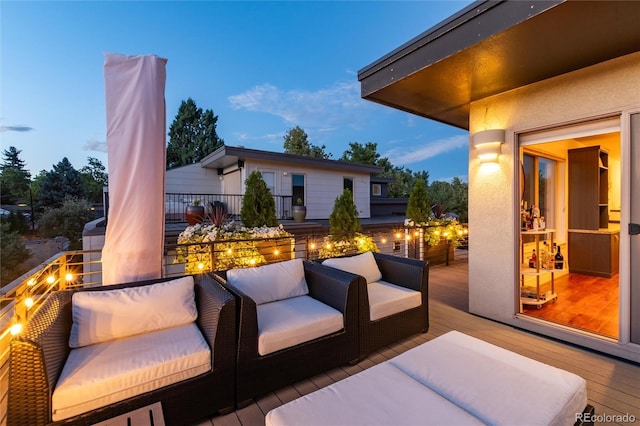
(262, 67)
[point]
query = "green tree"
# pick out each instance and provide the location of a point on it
(14, 178)
(363, 154)
(343, 221)
(418, 208)
(68, 220)
(258, 205)
(95, 178)
(192, 135)
(61, 183)
(296, 142)
(13, 253)
(452, 196)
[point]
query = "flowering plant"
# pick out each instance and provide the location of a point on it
(437, 230)
(235, 246)
(338, 246)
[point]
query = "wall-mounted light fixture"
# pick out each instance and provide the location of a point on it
(488, 142)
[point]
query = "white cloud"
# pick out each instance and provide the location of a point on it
(333, 106)
(95, 145)
(427, 150)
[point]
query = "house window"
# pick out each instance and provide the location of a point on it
(270, 179)
(376, 189)
(297, 188)
(348, 184)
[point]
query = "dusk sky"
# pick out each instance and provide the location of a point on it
(262, 67)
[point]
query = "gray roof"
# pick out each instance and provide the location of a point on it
(491, 47)
(226, 156)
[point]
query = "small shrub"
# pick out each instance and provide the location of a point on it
(258, 205)
(343, 220)
(418, 208)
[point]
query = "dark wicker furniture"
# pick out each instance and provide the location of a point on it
(37, 358)
(257, 375)
(403, 272)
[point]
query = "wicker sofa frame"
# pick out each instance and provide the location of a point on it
(257, 375)
(403, 272)
(37, 358)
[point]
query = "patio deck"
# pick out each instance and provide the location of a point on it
(613, 385)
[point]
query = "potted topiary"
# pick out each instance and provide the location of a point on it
(195, 213)
(299, 211)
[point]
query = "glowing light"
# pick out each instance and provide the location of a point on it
(229, 251)
(16, 329)
(416, 233)
(312, 246)
(69, 277)
(51, 279)
(398, 235)
(252, 261)
(201, 266)
(276, 252)
(29, 302)
(328, 246)
(361, 241)
(408, 237)
(384, 241)
(31, 282)
(466, 231)
(436, 232)
(459, 232)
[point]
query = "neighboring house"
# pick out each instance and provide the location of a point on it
(317, 182)
(552, 82)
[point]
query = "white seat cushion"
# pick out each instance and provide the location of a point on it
(497, 386)
(101, 374)
(380, 395)
(387, 299)
(289, 322)
(362, 264)
(269, 283)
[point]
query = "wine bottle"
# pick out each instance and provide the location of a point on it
(559, 259)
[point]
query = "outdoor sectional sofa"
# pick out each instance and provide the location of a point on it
(454, 379)
(295, 319)
(393, 297)
(186, 359)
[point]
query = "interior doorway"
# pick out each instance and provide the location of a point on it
(570, 226)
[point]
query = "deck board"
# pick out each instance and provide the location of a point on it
(613, 385)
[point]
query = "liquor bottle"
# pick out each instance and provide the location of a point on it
(533, 259)
(559, 259)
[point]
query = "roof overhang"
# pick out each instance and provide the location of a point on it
(228, 156)
(494, 46)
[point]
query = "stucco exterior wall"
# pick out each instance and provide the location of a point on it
(610, 87)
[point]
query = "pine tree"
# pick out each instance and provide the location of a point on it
(296, 142)
(258, 205)
(14, 178)
(192, 135)
(343, 221)
(418, 208)
(60, 183)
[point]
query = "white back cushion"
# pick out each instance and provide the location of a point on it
(362, 264)
(269, 283)
(100, 316)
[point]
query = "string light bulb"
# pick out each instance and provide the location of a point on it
(51, 279)
(69, 277)
(16, 329)
(28, 302)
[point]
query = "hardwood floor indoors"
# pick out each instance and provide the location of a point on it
(585, 302)
(613, 385)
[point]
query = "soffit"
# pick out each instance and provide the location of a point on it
(492, 47)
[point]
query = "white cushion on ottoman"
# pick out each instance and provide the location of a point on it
(380, 395)
(495, 385)
(289, 322)
(98, 375)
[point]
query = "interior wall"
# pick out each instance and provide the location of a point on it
(607, 88)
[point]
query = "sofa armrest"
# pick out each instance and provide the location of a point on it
(216, 319)
(36, 360)
(331, 286)
(404, 272)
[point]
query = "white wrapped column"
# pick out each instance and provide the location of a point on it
(136, 149)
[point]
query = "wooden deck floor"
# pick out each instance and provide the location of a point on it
(613, 385)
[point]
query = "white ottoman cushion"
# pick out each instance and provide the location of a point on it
(380, 395)
(289, 322)
(495, 385)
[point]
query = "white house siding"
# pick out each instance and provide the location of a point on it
(322, 186)
(193, 179)
(610, 87)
